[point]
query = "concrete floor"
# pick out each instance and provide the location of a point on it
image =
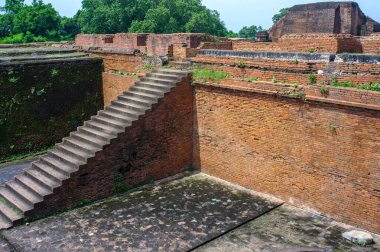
(198, 213)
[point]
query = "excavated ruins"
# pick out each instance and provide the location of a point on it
(286, 131)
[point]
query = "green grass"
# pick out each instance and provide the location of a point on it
(363, 86)
(25, 155)
(209, 74)
(119, 72)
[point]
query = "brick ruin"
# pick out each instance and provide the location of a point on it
(326, 17)
(308, 143)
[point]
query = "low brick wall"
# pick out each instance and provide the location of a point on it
(216, 45)
(114, 85)
(294, 67)
(156, 146)
(371, 44)
(126, 62)
(318, 43)
(322, 155)
(154, 44)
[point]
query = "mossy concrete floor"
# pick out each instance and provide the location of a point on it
(196, 212)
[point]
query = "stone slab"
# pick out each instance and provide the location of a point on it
(287, 229)
(176, 216)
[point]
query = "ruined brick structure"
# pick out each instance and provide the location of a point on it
(327, 17)
(157, 44)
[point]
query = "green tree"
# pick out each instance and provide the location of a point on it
(156, 16)
(249, 32)
(38, 18)
(70, 26)
(12, 6)
(279, 15)
(206, 22)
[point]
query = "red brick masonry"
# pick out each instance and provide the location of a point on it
(323, 155)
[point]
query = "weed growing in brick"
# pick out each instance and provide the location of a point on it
(274, 80)
(252, 79)
(310, 50)
(54, 72)
(119, 185)
(241, 64)
(147, 68)
(312, 79)
(324, 90)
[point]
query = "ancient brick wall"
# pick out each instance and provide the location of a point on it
(43, 100)
(156, 146)
(317, 43)
(114, 85)
(338, 18)
(216, 45)
(154, 44)
(294, 67)
(314, 154)
(371, 44)
(129, 63)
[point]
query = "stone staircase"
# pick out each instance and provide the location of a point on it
(20, 196)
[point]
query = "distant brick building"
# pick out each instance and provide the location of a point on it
(326, 17)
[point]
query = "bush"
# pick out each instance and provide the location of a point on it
(22, 38)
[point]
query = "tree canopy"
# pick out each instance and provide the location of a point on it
(21, 23)
(249, 32)
(280, 15)
(149, 16)
(36, 22)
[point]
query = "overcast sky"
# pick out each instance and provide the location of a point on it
(236, 13)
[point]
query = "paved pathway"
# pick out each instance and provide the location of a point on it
(197, 213)
(287, 229)
(8, 171)
(176, 216)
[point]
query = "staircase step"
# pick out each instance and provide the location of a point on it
(102, 127)
(88, 139)
(41, 179)
(62, 167)
(9, 215)
(139, 101)
(16, 200)
(112, 114)
(150, 91)
(173, 77)
(153, 85)
(172, 72)
(128, 113)
(84, 147)
(34, 186)
(74, 152)
(50, 172)
(23, 192)
(96, 133)
(141, 95)
(131, 106)
(66, 157)
(109, 122)
(165, 82)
